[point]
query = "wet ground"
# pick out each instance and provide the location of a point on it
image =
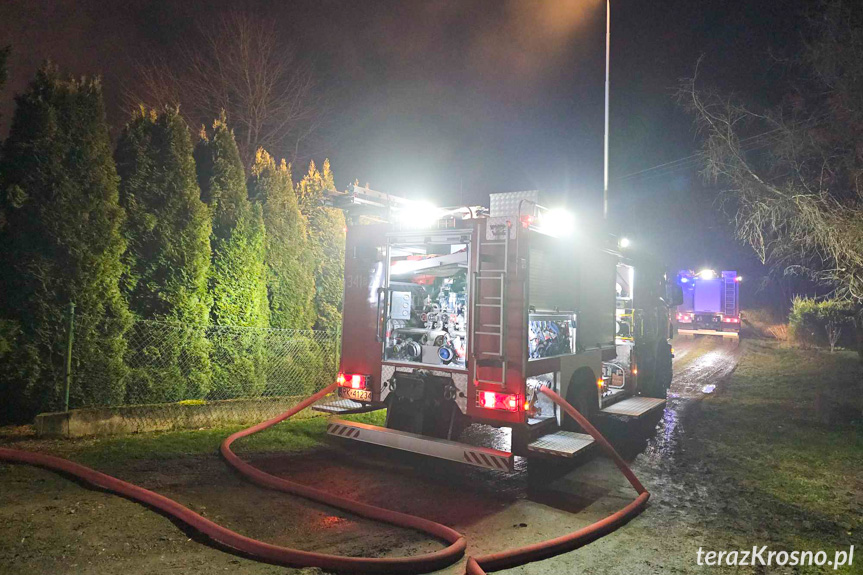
(48, 524)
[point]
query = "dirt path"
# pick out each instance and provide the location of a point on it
(50, 525)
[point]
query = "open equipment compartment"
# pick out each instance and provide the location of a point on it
(427, 301)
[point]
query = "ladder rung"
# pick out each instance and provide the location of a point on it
(489, 382)
(497, 305)
(493, 272)
(490, 297)
(497, 325)
(498, 334)
(498, 278)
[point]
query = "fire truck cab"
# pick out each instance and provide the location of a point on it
(457, 317)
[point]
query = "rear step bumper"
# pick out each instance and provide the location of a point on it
(337, 405)
(729, 334)
(431, 446)
(634, 406)
(561, 443)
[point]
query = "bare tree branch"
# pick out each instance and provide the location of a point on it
(241, 65)
(794, 193)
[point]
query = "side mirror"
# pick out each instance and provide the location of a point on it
(674, 294)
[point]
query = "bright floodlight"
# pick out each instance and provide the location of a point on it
(707, 274)
(419, 215)
(558, 222)
(624, 243)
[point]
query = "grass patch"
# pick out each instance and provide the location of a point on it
(289, 436)
(763, 435)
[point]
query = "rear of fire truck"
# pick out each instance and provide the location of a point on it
(457, 317)
(711, 303)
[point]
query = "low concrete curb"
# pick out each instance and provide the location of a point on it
(162, 417)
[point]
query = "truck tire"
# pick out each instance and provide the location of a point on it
(582, 395)
(657, 386)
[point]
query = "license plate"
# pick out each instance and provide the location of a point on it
(355, 394)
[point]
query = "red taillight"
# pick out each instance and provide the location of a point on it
(684, 317)
(353, 380)
(731, 319)
(494, 400)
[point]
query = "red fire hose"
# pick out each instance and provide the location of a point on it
(576, 539)
(276, 554)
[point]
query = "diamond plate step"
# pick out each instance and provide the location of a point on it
(339, 405)
(561, 443)
(634, 406)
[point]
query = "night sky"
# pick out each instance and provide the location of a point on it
(448, 100)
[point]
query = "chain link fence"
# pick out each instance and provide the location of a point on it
(189, 376)
(173, 362)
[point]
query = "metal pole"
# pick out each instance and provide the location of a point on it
(607, 61)
(338, 345)
(70, 336)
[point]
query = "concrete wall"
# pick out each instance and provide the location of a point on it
(162, 417)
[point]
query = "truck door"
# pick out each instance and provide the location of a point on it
(365, 250)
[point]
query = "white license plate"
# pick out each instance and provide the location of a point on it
(355, 394)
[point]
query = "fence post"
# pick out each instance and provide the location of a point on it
(338, 346)
(70, 336)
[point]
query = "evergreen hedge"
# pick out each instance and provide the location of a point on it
(238, 275)
(168, 232)
(327, 246)
(290, 269)
(62, 242)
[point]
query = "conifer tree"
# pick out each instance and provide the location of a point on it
(290, 270)
(168, 233)
(238, 278)
(327, 244)
(63, 243)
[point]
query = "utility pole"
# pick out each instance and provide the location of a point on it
(607, 61)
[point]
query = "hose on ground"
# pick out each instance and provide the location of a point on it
(425, 563)
(545, 549)
(265, 551)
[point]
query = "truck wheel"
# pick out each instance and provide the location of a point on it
(582, 395)
(660, 382)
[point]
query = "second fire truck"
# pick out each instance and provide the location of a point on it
(710, 303)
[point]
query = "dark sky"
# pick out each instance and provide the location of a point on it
(451, 99)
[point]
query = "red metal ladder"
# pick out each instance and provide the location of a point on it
(497, 277)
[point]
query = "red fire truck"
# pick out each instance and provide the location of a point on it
(711, 303)
(455, 317)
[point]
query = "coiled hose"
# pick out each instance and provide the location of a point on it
(428, 562)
